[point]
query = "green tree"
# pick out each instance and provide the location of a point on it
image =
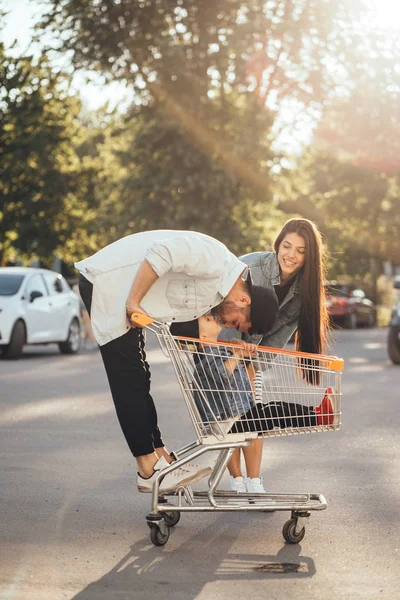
(211, 82)
(193, 50)
(363, 126)
(206, 73)
(170, 181)
(44, 191)
(356, 208)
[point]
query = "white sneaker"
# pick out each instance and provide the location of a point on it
(182, 476)
(204, 470)
(237, 484)
(255, 485)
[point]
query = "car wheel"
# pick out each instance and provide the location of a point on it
(73, 342)
(393, 347)
(371, 320)
(17, 341)
(351, 321)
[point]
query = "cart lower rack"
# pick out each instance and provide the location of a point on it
(273, 392)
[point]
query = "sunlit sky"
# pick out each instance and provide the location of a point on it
(387, 13)
(22, 15)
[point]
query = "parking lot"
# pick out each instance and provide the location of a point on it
(73, 525)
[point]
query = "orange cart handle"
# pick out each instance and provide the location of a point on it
(140, 319)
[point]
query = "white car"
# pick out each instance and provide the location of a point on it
(37, 306)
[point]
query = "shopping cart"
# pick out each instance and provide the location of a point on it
(287, 388)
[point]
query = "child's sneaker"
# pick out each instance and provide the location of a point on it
(255, 485)
(237, 484)
(328, 411)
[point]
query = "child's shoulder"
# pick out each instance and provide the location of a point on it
(216, 350)
(211, 354)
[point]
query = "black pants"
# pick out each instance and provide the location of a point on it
(128, 375)
(263, 417)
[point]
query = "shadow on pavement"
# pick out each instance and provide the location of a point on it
(48, 351)
(149, 572)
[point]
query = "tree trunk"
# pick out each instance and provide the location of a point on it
(375, 272)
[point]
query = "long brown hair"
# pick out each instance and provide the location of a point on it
(312, 332)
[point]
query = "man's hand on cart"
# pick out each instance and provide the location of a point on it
(137, 317)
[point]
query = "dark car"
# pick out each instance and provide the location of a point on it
(393, 341)
(349, 306)
(394, 336)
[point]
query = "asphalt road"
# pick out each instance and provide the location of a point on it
(72, 523)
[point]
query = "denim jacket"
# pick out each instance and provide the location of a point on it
(229, 394)
(264, 270)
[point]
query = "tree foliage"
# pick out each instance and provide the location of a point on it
(205, 65)
(193, 48)
(363, 126)
(44, 190)
(355, 207)
(213, 84)
(171, 182)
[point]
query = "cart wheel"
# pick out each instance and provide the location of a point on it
(288, 532)
(171, 518)
(158, 538)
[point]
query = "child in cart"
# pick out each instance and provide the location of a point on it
(228, 385)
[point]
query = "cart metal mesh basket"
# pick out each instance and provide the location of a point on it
(233, 396)
(273, 393)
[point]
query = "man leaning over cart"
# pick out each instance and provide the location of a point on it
(170, 276)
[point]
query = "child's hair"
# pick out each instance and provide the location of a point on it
(186, 329)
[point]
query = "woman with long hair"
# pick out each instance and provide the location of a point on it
(295, 270)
